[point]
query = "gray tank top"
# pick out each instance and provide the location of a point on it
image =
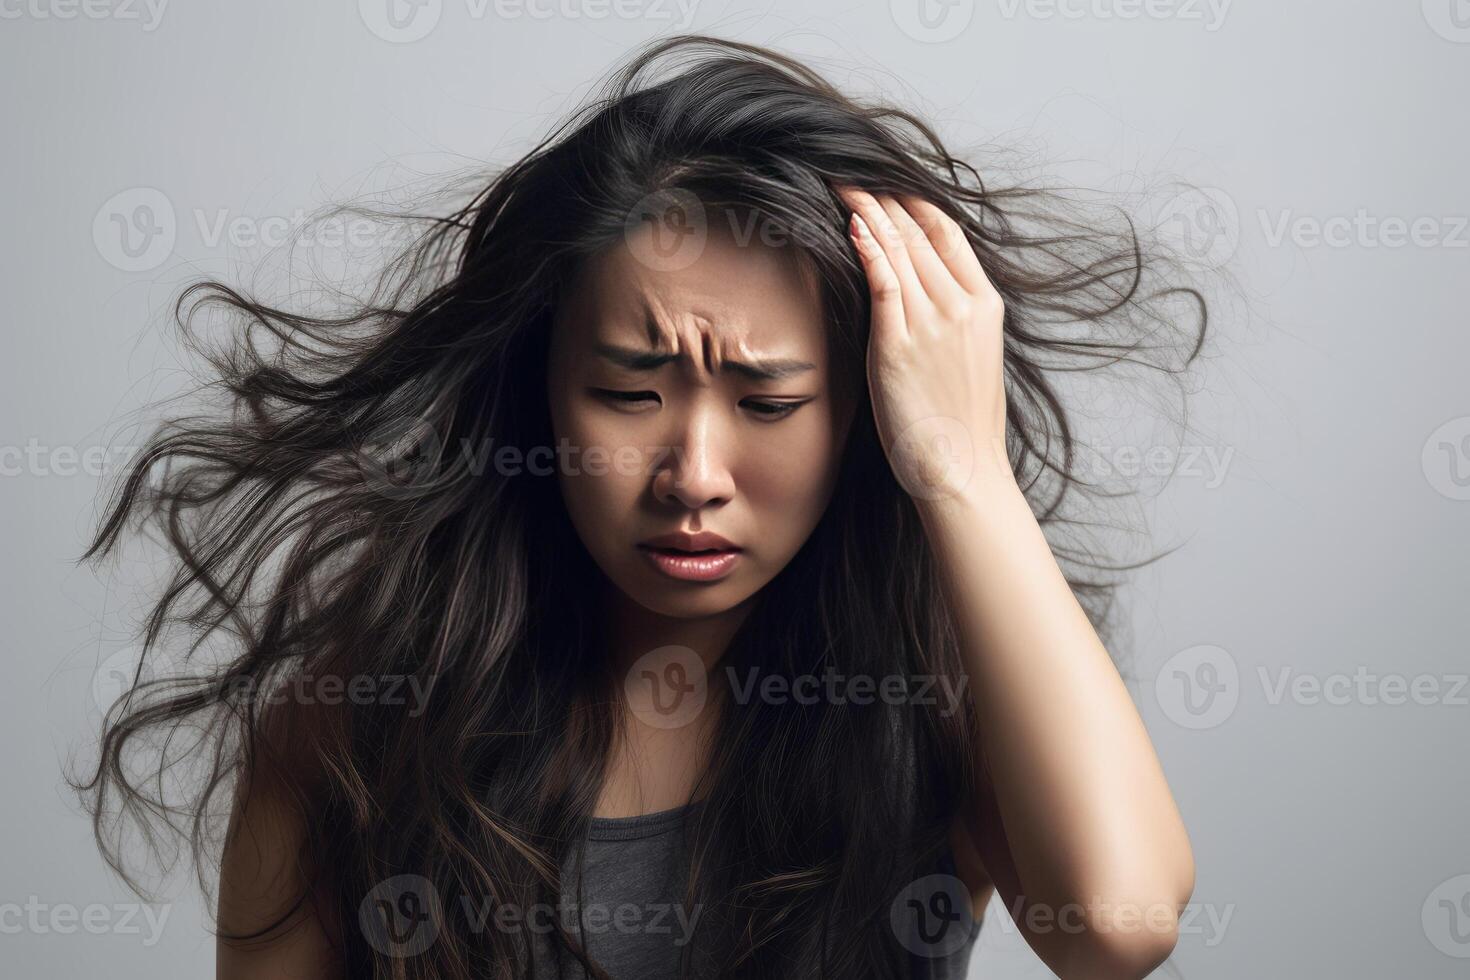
(635, 925)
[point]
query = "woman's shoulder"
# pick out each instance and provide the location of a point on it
(267, 890)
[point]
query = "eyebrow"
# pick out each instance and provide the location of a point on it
(765, 369)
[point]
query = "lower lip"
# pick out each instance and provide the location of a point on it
(692, 568)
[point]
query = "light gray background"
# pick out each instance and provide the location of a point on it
(1327, 540)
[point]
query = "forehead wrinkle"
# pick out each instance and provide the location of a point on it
(660, 329)
(717, 337)
(695, 330)
(683, 334)
(655, 327)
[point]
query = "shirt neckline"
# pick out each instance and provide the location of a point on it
(636, 827)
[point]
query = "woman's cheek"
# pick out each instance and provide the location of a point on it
(789, 484)
(610, 465)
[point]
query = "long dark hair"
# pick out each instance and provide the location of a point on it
(324, 523)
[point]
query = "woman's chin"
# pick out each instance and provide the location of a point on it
(685, 600)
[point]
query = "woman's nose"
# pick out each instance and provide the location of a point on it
(696, 471)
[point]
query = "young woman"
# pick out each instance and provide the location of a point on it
(665, 572)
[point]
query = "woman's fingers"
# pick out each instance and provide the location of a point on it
(883, 284)
(940, 285)
(890, 241)
(951, 244)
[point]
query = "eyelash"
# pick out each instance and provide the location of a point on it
(772, 411)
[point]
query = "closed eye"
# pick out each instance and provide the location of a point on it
(776, 410)
(770, 411)
(626, 396)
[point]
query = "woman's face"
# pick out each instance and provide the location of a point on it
(691, 400)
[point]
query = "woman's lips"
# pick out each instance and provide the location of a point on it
(704, 566)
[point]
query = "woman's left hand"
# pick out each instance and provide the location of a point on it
(935, 346)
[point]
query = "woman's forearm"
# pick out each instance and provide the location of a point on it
(1088, 816)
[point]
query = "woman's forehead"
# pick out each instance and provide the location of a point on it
(731, 302)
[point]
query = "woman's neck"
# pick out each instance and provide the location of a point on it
(656, 756)
(633, 631)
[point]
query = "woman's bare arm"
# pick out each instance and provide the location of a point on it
(261, 878)
(1073, 819)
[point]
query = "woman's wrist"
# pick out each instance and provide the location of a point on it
(982, 488)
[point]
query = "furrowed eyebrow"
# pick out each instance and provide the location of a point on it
(768, 369)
